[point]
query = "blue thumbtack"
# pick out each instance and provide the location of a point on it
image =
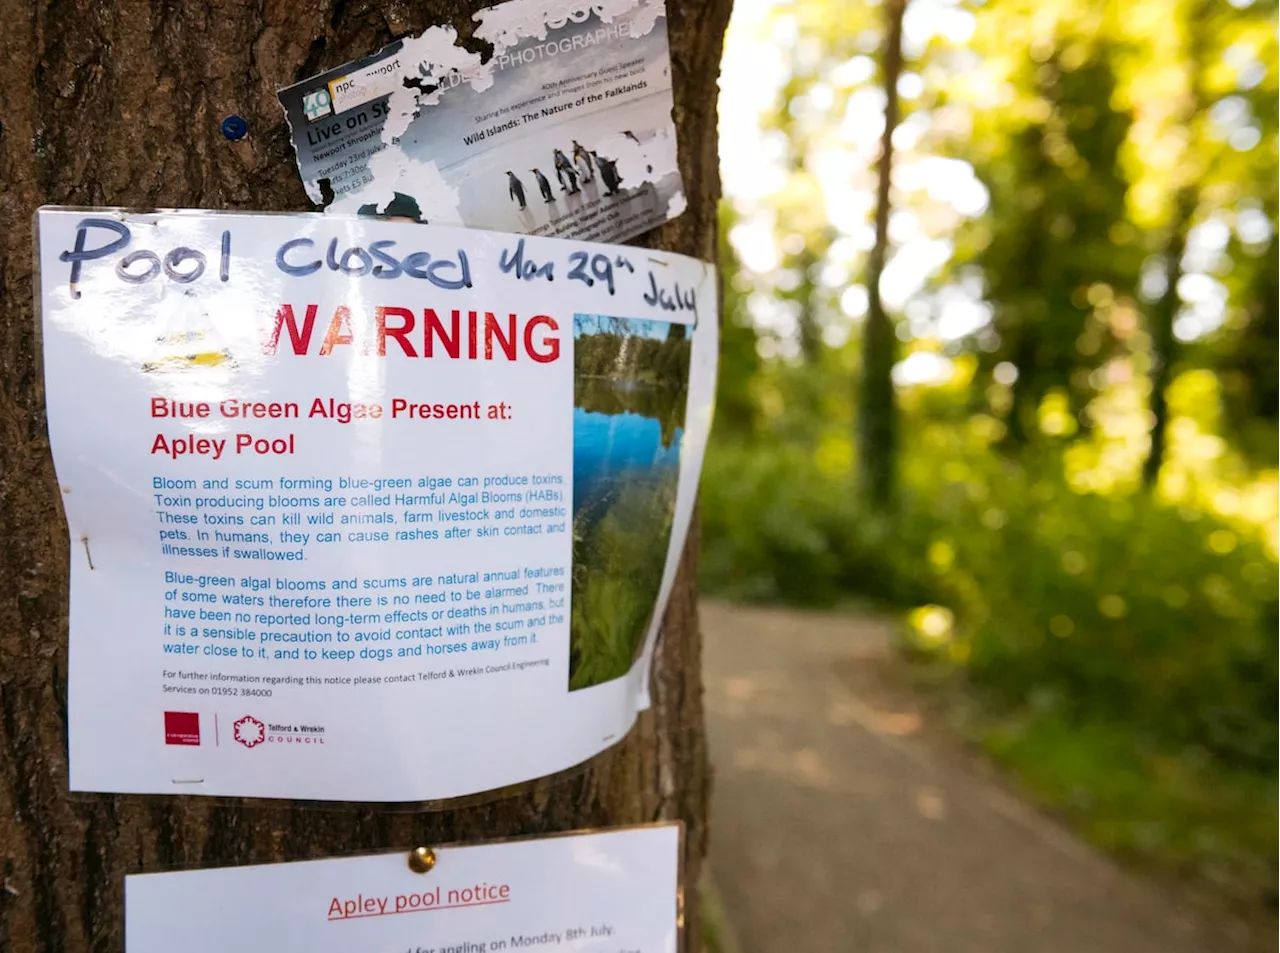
(234, 127)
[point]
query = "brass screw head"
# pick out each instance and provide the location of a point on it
(421, 859)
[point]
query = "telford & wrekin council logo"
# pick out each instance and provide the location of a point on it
(250, 732)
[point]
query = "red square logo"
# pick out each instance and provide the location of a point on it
(182, 728)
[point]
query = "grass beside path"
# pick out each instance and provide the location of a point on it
(1213, 826)
(717, 931)
(1173, 813)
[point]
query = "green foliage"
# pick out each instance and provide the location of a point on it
(1152, 804)
(618, 355)
(777, 528)
(1111, 608)
(1107, 295)
(1249, 367)
(1057, 198)
(1130, 644)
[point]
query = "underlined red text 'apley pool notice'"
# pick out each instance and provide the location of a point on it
(611, 892)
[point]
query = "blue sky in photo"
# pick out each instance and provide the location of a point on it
(587, 324)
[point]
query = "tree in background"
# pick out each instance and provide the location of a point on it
(877, 423)
(120, 104)
(1186, 198)
(843, 77)
(1046, 248)
(1247, 362)
(1245, 353)
(1120, 637)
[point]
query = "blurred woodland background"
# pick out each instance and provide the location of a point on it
(1000, 353)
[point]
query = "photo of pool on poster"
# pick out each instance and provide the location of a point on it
(631, 385)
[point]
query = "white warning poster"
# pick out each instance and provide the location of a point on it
(607, 892)
(361, 509)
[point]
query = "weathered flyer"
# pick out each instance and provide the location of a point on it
(361, 509)
(565, 130)
(607, 892)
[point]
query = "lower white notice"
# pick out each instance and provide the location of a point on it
(612, 892)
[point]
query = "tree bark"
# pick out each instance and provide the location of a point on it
(877, 413)
(120, 104)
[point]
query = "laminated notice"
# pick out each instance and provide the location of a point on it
(363, 509)
(605, 892)
(565, 129)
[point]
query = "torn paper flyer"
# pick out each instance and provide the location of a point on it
(565, 130)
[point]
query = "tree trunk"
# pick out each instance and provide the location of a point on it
(120, 104)
(1023, 324)
(1164, 345)
(808, 321)
(877, 415)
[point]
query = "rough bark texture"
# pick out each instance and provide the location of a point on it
(120, 104)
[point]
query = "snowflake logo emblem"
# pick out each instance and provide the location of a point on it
(250, 732)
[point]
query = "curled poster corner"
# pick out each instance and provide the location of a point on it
(564, 130)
